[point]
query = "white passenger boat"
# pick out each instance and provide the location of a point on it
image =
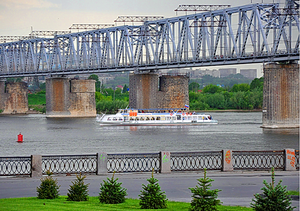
(155, 117)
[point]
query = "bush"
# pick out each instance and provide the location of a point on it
(48, 188)
(78, 191)
(111, 191)
(204, 199)
(151, 196)
(273, 198)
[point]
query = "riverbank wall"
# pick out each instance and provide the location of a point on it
(162, 162)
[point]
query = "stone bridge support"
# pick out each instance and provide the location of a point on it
(13, 97)
(154, 91)
(281, 96)
(70, 98)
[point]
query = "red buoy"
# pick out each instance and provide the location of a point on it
(20, 138)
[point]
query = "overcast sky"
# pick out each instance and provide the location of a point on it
(18, 17)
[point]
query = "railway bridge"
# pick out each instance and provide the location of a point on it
(255, 33)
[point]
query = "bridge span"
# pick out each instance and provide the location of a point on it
(255, 33)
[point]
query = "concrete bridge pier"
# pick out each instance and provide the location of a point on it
(153, 91)
(70, 98)
(13, 97)
(281, 96)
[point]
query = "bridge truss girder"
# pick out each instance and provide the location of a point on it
(246, 34)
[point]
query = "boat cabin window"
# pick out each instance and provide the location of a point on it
(115, 119)
(199, 117)
(137, 119)
(174, 117)
(142, 118)
(131, 119)
(178, 117)
(152, 118)
(147, 119)
(189, 118)
(158, 118)
(194, 117)
(108, 119)
(120, 119)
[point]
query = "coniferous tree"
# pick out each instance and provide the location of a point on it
(151, 196)
(48, 188)
(111, 191)
(78, 191)
(204, 199)
(274, 198)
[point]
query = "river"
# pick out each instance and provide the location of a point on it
(69, 136)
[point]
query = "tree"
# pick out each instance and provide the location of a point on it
(125, 89)
(204, 199)
(240, 87)
(212, 89)
(274, 198)
(257, 83)
(48, 188)
(151, 196)
(111, 191)
(194, 86)
(78, 190)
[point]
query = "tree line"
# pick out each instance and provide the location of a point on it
(239, 96)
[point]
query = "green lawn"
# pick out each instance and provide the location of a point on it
(61, 203)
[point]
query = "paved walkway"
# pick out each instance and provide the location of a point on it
(237, 187)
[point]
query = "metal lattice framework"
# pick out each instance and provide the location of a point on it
(258, 159)
(133, 162)
(246, 34)
(5, 39)
(15, 166)
(189, 7)
(62, 164)
(47, 33)
(89, 26)
(192, 161)
(137, 18)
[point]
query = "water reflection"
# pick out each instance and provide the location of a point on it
(285, 131)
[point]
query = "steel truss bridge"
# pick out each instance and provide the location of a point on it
(253, 33)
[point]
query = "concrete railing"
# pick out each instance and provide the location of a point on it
(163, 162)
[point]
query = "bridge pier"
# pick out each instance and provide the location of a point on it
(154, 91)
(13, 97)
(70, 98)
(281, 96)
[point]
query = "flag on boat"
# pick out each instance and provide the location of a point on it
(186, 106)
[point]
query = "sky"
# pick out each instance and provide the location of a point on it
(19, 17)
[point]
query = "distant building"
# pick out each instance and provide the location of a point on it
(226, 72)
(200, 73)
(249, 73)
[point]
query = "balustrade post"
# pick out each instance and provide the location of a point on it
(165, 162)
(227, 164)
(102, 163)
(36, 166)
(289, 160)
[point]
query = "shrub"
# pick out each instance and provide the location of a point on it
(111, 191)
(273, 198)
(151, 196)
(48, 188)
(78, 191)
(204, 199)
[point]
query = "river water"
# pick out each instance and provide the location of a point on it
(68, 136)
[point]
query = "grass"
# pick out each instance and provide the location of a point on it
(36, 99)
(93, 203)
(293, 192)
